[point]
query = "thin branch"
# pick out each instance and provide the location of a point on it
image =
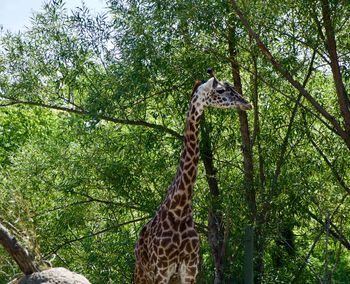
(326, 268)
(335, 233)
(284, 72)
(307, 257)
(337, 259)
(329, 163)
(273, 87)
(108, 202)
(69, 242)
(281, 157)
(8, 104)
(101, 117)
(89, 200)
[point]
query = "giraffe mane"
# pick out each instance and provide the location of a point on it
(195, 86)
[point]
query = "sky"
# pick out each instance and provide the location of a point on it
(15, 14)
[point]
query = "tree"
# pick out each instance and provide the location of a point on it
(92, 114)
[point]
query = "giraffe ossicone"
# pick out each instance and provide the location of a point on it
(168, 245)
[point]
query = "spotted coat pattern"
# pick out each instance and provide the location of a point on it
(168, 247)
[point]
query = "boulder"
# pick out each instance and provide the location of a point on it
(57, 275)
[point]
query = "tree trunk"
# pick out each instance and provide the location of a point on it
(248, 255)
(259, 240)
(343, 99)
(215, 218)
(250, 193)
(25, 261)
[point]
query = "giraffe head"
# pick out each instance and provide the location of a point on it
(214, 93)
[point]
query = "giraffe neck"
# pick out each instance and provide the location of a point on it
(179, 196)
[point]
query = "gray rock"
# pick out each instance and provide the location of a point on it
(57, 275)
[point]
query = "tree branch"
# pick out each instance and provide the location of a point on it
(331, 46)
(340, 131)
(102, 117)
(306, 259)
(25, 261)
(335, 233)
(54, 251)
(329, 163)
(273, 87)
(281, 157)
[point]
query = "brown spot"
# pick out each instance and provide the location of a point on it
(192, 137)
(187, 166)
(144, 255)
(182, 226)
(166, 225)
(186, 209)
(191, 171)
(176, 238)
(167, 234)
(188, 247)
(191, 270)
(163, 264)
(162, 215)
(186, 178)
(165, 242)
(175, 202)
(183, 200)
(193, 145)
(171, 218)
(153, 258)
(173, 255)
(156, 242)
(186, 212)
(196, 151)
(192, 128)
(172, 247)
(182, 186)
(173, 222)
(195, 244)
(190, 151)
(178, 212)
(182, 246)
(167, 203)
(190, 234)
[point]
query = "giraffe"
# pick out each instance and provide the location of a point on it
(168, 245)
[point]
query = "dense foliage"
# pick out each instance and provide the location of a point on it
(91, 119)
